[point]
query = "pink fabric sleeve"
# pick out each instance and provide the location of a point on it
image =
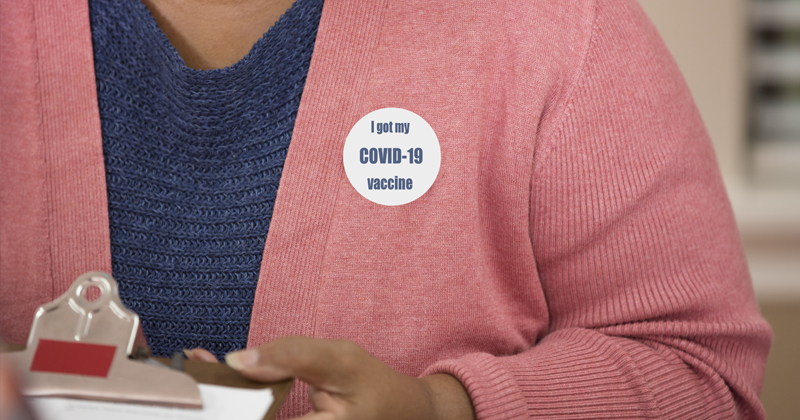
(652, 313)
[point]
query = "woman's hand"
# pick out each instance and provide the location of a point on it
(346, 382)
(12, 404)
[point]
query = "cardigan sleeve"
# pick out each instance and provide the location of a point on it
(652, 312)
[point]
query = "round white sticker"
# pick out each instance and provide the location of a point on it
(392, 156)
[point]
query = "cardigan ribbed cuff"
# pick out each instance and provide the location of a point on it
(493, 390)
(571, 374)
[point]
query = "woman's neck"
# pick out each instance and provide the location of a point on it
(213, 34)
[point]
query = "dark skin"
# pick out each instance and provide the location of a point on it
(213, 34)
(345, 381)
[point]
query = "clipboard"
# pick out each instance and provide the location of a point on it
(83, 348)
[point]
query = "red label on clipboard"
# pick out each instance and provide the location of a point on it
(73, 358)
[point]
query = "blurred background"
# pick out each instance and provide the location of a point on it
(741, 59)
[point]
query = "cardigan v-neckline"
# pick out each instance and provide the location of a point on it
(331, 103)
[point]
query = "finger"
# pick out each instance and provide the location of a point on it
(9, 397)
(315, 361)
(202, 355)
(314, 415)
(325, 402)
(12, 404)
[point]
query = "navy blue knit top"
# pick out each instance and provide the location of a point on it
(193, 160)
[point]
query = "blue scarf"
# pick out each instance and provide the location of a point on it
(193, 161)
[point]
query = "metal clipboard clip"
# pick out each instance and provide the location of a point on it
(80, 348)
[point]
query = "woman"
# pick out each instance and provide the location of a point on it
(576, 256)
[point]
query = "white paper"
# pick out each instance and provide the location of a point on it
(219, 403)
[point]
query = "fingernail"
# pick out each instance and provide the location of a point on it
(242, 359)
(188, 354)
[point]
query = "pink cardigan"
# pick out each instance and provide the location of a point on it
(576, 258)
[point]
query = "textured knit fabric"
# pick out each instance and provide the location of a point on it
(576, 258)
(193, 160)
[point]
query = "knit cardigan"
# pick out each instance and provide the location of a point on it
(577, 256)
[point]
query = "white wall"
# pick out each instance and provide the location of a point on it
(709, 40)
